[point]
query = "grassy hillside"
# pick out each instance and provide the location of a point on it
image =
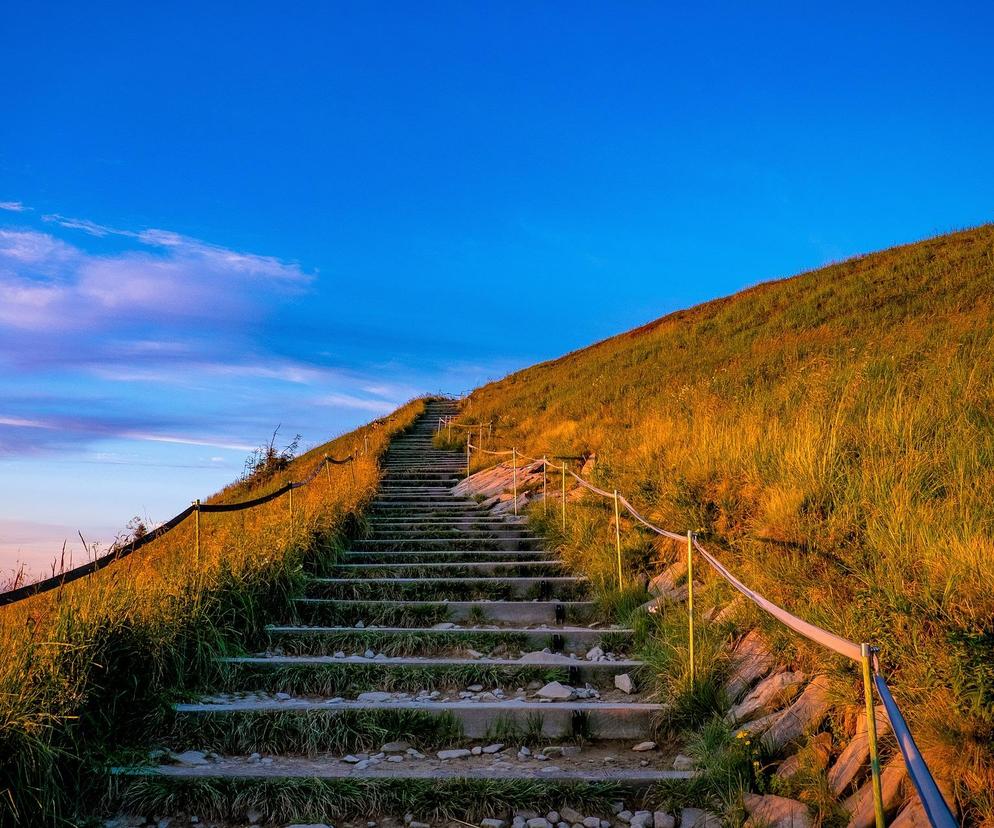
(832, 435)
(88, 668)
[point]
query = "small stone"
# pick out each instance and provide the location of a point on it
(592, 822)
(395, 747)
(475, 688)
(683, 763)
(283, 697)
(641, 819)
(340, 654)
(444, 625)
(490, 822)
(352, 760)
(594, 654)
(661, 819)
(477, 750)
(624, 683)
(414, 824)
(776, 812)
(556, 691)
(359, 625)
(395, 758)
(374, 696)
(641, 747)
(473, 654)
(455, 753)
(552, 816)
(538, 822)
(497, 747)
(525, 750)
(190, 757)
(625, 816)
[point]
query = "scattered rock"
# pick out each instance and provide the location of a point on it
(594, 654)
(455, 753)
(490, 822)
(556, 691)
(661, 819)
(813, 756)
(641, 819)
(641, 747)
(190, 757)
(775, 812)
(254, 817)
(395, 747)
(683, 763)
(624, 683)
(667, 583)
(374, 696)
(803, 716)
(538, 822)
(592, 822)
(283, 697)
(497, 747)
(571, 816)
(780, 687)
(751, 659)
(856, 754)
(860, 804)
(696, 818)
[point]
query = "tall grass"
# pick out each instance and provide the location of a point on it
(88, 670)
(832, 435)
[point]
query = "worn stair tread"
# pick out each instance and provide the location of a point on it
(300, 768)
(327, 705)
(563, 630)
(551, 661)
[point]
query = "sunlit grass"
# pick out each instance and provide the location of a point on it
(832, 438)
(89, 667)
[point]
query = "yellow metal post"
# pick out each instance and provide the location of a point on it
(291, 510)
(467, 455)
(866, 655)
(564, 495)
(617, 537)
(690, 602)
(327, 471)
(545, 485)
(514, 476)
(196, 533)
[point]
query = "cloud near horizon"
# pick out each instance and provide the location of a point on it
(153, 336)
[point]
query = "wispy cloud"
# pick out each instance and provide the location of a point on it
(13, 206)
(338, 400)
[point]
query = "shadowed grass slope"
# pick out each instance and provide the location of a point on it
(88, 668)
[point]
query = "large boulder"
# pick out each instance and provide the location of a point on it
(860, 804)
(803, 716)
(813, 756)
(772, 692)
(775, 812)
(855, 756)
(751, 660)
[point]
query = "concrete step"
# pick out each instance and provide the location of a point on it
(563, 587)
(475, 719)
(454, 542)
(431, 672)
(558, 639)
(433, 612)
(446, 569)
(447, 555)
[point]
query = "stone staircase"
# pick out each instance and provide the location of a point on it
(445, 665)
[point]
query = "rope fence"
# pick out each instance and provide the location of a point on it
(935, 806)
(117, 554)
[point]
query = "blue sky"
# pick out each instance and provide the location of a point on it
(221, 217)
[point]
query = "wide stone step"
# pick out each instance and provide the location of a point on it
(558, 638)
(301, 790)
(453, 542)
(245, 725)
(325, 674)
(454, 588)
(448, 555)
(416, 613)
(446, 569)
(436, 531)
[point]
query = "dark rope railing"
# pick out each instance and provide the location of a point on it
(117, 554)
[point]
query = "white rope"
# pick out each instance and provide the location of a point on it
(487, 451)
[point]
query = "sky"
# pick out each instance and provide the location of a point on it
(217, 219)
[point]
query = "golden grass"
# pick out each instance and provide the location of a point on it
(832, 435)
(86, 669)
